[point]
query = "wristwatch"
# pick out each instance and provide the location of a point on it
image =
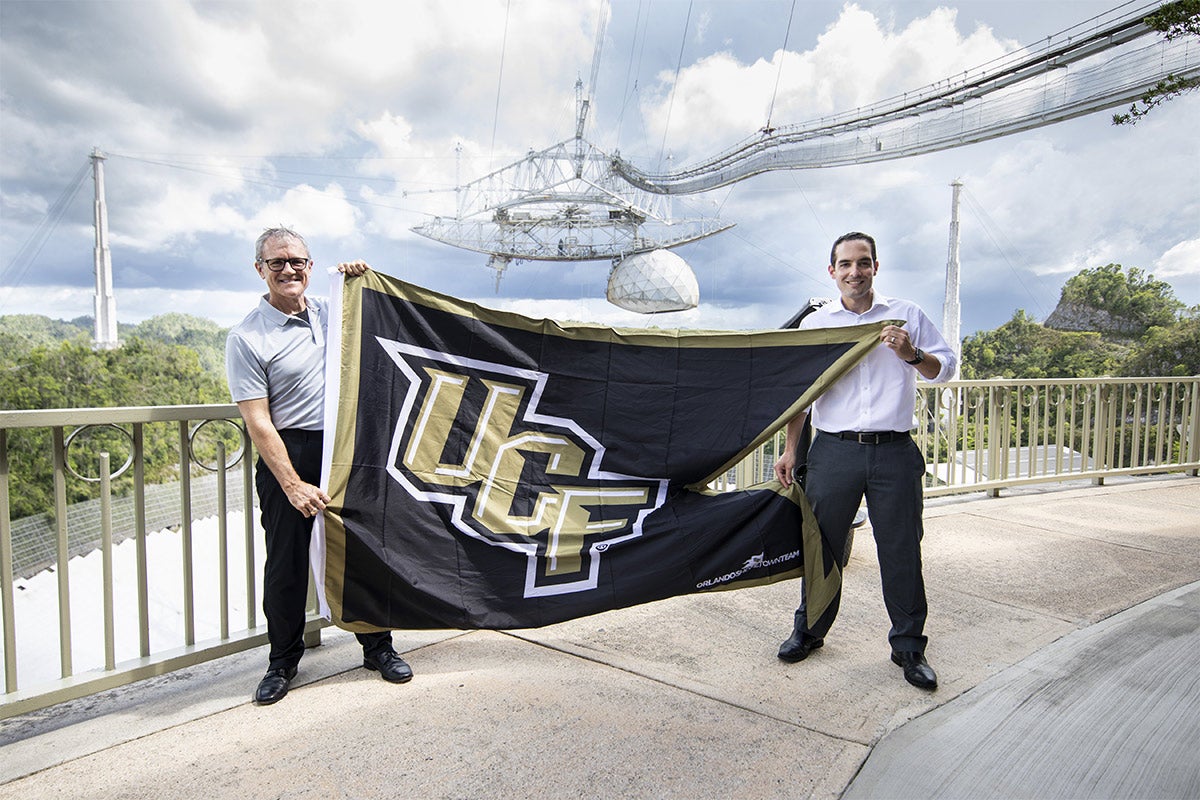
(918, 358)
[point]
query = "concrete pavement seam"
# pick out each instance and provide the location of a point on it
(1027, 609)
(693, 690)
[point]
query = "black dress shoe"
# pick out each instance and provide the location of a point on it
(391, 666)
(916, 669)
(798, 646)
(274, 685)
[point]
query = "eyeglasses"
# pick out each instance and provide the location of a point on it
(277, 264)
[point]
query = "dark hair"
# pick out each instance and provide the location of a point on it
(851, 237)
(277, 233)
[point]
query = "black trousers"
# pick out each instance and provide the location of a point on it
(285, 574)
(840, 473)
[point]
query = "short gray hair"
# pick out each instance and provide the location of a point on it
(278, 233)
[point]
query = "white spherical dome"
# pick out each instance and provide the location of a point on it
(653, 282)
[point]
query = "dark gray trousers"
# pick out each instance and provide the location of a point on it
(890, 476)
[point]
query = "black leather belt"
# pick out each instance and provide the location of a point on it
(299, 435)
(869, 437)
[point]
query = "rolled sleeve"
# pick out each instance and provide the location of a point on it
(930, 339)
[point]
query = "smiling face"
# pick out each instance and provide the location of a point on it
(285, 288)
(853, 270)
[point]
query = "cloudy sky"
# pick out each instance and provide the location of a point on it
(352, 122)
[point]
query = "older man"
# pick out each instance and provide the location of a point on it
(862, 446)
(275, 361)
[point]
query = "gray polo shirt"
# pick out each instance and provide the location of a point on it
(282, 358)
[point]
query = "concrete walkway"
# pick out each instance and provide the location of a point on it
(1064, 626)
(1112, 710)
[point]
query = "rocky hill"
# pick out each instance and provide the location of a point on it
(1082, 316)
(1114, 302)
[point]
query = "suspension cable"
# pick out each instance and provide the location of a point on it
(779, 73)
(626, 94)
(992, 230)
(15, 270)
(499, 81)
(675, 84)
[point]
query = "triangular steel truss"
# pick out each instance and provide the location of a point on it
(563, 203)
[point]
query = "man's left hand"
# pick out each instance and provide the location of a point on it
(896, 339)
(353, 268)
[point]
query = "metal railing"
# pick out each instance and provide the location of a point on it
(985, 436)
(99, 464)
(996, 434)
(977, 436)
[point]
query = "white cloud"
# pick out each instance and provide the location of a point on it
(703, 21)
(23, 204)
(1182, 260)
(222, 56)
(314, 212)
(174, 213)
(719, 100)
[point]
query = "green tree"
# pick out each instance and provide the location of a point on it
(70, 374)
(1024, 348)
(204, 336)
(20, 333)
(1130, 295)
(1168, 351)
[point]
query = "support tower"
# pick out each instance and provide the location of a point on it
(106, 301)
(951, 310)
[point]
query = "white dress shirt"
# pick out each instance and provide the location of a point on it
(880, 393)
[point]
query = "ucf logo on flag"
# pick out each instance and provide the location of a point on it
(488, 470)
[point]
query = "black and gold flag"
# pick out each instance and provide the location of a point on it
(489, 470)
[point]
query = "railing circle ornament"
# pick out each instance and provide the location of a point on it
(85, 428)
(946, 398)
(237, 454)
